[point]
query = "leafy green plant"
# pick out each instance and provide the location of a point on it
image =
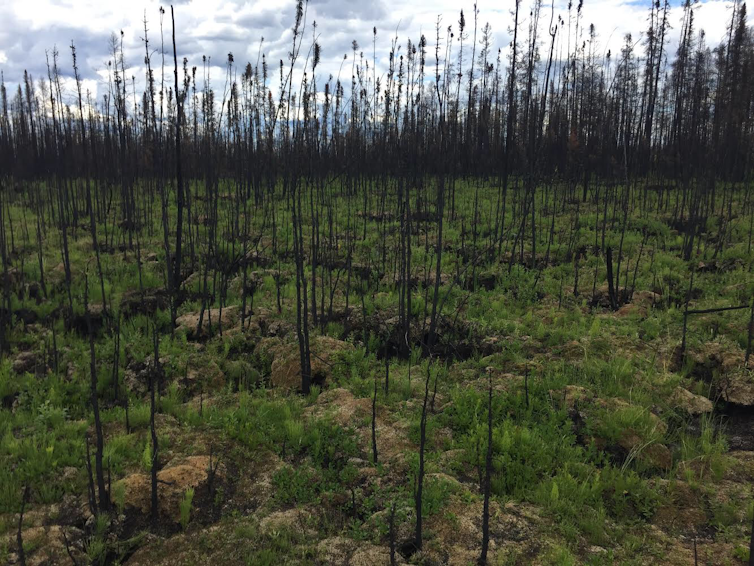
(146, 456)
(704, 454)
(185, 507)
(294, 434)
(119, 496)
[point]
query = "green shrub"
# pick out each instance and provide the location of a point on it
(296, 485)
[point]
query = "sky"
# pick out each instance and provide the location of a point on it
(32, 28)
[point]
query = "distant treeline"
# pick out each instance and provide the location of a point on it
(550, 104)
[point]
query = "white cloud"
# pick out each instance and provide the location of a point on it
(214, 29)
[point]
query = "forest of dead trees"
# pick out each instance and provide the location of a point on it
(546, 123)
(497, 156)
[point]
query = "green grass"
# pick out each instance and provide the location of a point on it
(587, 496)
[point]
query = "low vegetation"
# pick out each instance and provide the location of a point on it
(452, 318)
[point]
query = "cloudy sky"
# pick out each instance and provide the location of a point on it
(32, 27)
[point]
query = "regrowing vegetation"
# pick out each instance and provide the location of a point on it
(485, 305)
